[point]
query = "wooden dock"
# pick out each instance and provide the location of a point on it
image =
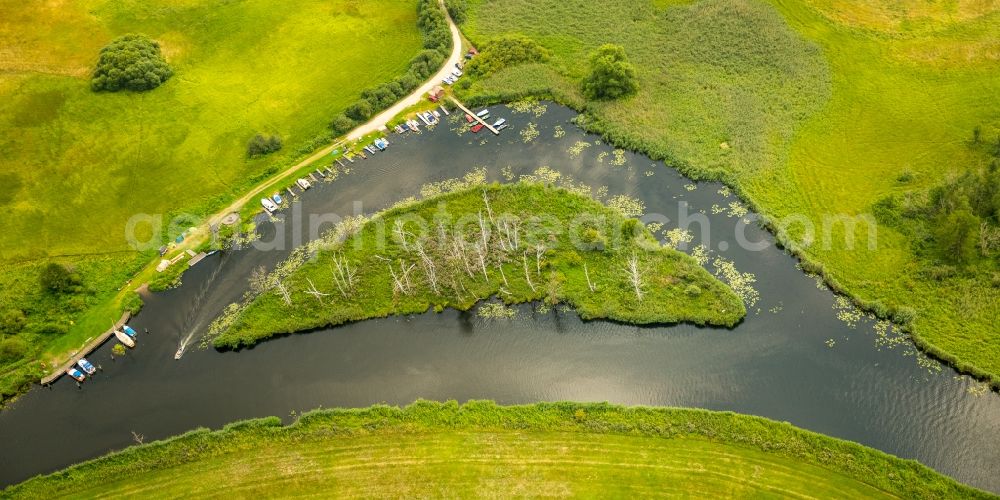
(478, 119)
(87, 349)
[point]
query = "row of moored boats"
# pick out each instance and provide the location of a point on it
(127, 336)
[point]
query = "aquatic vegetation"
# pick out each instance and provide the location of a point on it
(600, 156)
(655, 227)
(496, 310)
(847, 311)
(558, 132)
(701, 254)
(577, 148)
(724, 191)
(529, 133)
(736, 209)
(474, 177)
(507, 173)
(677, 236)
(741, 283)
(619, 157)
(648, 173)
(690, 187)
(628, 206)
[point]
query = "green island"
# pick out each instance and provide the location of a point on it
(520, 242)
(849, 115)
(551, 449)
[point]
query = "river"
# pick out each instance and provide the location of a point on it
(795, 358)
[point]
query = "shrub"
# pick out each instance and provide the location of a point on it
(58, 278)
(956, 235)
(262, 145)
(904, 315)
(12, 322)
(505, 52)
(12, 349)
(342, 124)
(131, 62)
(456, 9)
(611, 75)
(118, 350)
(693, 290)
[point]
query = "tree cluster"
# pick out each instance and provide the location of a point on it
(437, 45)
(262, 145)
(457, 10)
(58, 278)
(505, 52)
(130, 62)
(611, 75)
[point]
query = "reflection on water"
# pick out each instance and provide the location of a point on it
(800, 356)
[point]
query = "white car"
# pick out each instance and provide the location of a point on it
(457, 72)
(448, 80)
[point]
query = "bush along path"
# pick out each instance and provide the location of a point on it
(519, 242)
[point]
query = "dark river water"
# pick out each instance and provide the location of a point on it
(796, 357)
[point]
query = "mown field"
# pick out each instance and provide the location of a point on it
(813, 109)
(481, 449)
(77, 164)
(520, 242)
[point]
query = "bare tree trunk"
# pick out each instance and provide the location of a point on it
(481, 253)
(527, 276)
(484, 234)
(489, 210)
(283, 291)
(587, 274)
(634, 275)
(314, 292)
(539, 251)
(401, 233)
(429, 268)
(502, 275)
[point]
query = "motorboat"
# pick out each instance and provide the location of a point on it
(268, 204)
(276, 198)
(499, 122)
(129, 331)
(76, 374)
(86, 366)
(303, 183)
(124, 338)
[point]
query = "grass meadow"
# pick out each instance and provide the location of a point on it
(810, 108)
(533, 243)
(77, 164)
(547, 449)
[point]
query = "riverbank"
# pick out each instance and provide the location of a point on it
(106, 297)
(562, 448)
(711, 104)
(521, 242)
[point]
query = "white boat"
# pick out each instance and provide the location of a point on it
(124, 339)
(86, 366)
(303, 183)
(499, 122)
(179, 353)
(268, 204)
(484, 113)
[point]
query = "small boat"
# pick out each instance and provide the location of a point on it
(268, 205)
(484, 113)
(276, 198)
(381, 144)
(444, 110)
(469, 118)
(431, 119)
(436, 113)
(423, 118)
(124, 339)
(501, 127)
(86, 366)
(370, 150)
(76, 374)
(179, 353)
(499, 122)
(303, 183)
(398, 129)
(477, 128)
(128, 331)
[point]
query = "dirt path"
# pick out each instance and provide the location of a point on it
(372, 125)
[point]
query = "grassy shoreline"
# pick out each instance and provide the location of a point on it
(774, 172)
(521, 242)
(439, 443)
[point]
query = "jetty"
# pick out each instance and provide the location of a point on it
(475, 116)
(87, 349)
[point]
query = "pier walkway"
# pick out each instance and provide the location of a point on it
(85, 350)
(470, 113)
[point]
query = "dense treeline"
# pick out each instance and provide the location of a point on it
(504, 52)
(437, 45)
(956, 222)
(131, 62)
